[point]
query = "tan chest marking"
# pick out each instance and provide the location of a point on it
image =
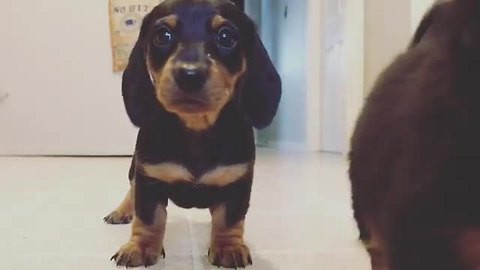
(168, 172)
(224, 175)
(175, 173)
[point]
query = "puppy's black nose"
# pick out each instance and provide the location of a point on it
(190, 79)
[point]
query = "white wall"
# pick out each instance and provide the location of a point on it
(56, 66)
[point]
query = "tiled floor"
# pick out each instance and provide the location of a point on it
(51, 213)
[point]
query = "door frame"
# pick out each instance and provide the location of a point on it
(315, 74)
(355, 57)
(355, 65)
(355, 60)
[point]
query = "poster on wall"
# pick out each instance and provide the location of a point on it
(125, 20)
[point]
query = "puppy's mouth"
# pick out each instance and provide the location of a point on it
(190, 104)
(188, 101)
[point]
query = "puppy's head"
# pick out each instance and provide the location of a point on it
(196, 52)
(191, 56)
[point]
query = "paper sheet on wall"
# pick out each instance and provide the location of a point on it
(125, 20)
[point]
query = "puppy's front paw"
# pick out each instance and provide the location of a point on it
(134, 255)
(117, 217)
(230, 256)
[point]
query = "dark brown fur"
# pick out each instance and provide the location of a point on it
(415, 158)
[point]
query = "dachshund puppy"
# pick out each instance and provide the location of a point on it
(415, 157)
(198, 81)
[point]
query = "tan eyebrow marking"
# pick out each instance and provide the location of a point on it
(171, 21)
(218, 21)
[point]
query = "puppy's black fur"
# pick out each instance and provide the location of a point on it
(171, 78)
(416, 149)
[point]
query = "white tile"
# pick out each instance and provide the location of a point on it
(51, 215)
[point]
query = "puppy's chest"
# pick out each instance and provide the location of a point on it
(196, 160)
(176, 173)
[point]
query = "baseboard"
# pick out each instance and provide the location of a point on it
(290, 146)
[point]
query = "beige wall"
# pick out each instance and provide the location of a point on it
(389, 26)
(354, 61)
(418, 9)
(387, 33)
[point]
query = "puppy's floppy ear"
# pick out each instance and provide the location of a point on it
(137, 88)
(262, 86)
(239, 3)
(423, 28)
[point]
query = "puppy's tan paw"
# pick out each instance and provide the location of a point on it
(230, 256)
(134, 255)
(117, 217)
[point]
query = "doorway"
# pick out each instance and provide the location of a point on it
(309, 53)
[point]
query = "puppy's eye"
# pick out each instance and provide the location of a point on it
(163, 37)
(226, 38)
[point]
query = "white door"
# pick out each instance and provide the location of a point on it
(334, 130)
(63, 98)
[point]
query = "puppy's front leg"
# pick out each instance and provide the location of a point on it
(124, 212)
(228, 248)
(148, 229)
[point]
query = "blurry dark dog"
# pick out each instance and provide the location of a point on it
(198, 80)
(415, 159)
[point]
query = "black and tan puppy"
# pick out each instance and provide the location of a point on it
(197, 83)
(415, 159)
